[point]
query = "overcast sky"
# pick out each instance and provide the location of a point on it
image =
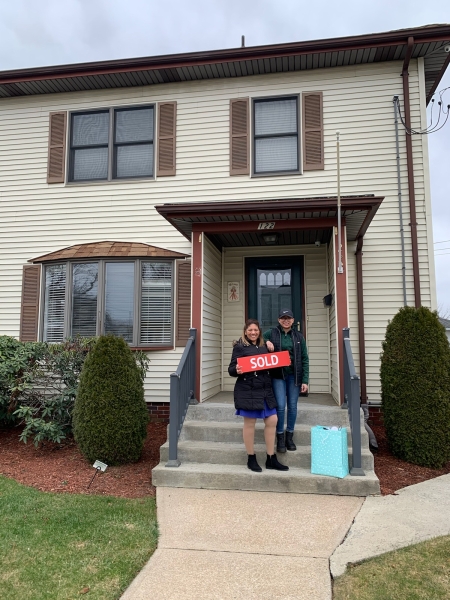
(48, 32)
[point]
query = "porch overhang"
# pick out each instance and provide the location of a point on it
(295, 220)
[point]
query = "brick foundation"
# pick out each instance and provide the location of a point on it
(375, 415)
(159, 411)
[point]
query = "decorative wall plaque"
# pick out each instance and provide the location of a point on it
(233, 291)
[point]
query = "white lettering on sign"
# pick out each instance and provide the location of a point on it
(268, 361)
(266, 225)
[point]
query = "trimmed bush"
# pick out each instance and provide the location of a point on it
(415, 383)
(110, 415)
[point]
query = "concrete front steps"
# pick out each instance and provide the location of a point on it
(213, 456)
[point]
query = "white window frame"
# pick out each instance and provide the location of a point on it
(102, 294)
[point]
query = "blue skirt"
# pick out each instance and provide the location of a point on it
(257, 414)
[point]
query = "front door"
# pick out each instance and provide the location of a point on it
(274, 284)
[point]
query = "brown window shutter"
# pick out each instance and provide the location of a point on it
(239, 137)
(167, 152)
(29, 309)
(313, 131)
(57, 147)
(183, 303)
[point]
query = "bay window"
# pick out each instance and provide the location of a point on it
(132, 299)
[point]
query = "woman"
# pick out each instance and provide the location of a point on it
(253, 397)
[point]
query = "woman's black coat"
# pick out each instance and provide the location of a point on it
(251, 389)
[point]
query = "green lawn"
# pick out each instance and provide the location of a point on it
(58, 545)
(420, 572)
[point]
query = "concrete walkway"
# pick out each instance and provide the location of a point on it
(411, 515)
(231, 544)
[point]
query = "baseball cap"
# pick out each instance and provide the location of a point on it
(286, 313)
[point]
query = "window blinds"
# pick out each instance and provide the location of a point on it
(55, 295)
(156, 303)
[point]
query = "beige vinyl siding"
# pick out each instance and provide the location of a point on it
(157, 381)
(316, 287)
(38, 218)
(334, 365)
(211, 367)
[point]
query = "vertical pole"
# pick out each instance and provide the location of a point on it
(174, 421)
(355, 427)
(192, 364)
(340, 267)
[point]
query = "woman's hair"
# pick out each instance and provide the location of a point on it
(248, 322)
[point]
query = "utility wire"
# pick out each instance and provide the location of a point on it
(443, 242)
(430, 128)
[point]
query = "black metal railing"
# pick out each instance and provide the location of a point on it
(182, 390)
(352, 400)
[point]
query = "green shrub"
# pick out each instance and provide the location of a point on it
(17, 360)
(46, 405)
(415, 383)
(110, 414)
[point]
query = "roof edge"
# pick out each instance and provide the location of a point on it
(426, 33)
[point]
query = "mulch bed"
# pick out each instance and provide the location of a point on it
(62, 468)
(394, 473)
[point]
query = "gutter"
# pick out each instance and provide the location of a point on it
(423, 35)
(410, 169)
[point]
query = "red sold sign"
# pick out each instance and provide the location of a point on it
(264, 361)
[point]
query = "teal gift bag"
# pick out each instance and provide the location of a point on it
(329, 451)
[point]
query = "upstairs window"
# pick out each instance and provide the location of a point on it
(272, 145)
(112, 144)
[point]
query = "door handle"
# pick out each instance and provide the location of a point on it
(298, 326)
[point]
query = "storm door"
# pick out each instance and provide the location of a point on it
(274, 284)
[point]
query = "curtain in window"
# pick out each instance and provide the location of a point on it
(276, 135)
(84, 299)
(156, 304)
(119, 300)
(54, 303)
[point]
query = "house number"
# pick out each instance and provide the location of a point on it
(266, 226)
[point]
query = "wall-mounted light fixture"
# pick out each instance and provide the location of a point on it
(328, 300)
(270, 238)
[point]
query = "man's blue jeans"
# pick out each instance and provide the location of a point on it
(285, 389)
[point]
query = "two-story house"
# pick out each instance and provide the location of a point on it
(144, 196)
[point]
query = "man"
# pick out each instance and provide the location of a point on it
(288, 382)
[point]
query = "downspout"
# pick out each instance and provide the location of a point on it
(361, 332)
(400, 210)
(410, 169)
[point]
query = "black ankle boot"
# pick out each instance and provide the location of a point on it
(273, 463)
(281, 448)
(289, 441)
(252, 463)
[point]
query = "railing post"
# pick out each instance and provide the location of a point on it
(174, 420)
(182, 387)
(193, 335)
(352, 401)
(346, 335)
(355, 427)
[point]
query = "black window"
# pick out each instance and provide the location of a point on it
(276, 135)
(112, 144)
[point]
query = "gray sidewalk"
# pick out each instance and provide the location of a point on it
(227, 544)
